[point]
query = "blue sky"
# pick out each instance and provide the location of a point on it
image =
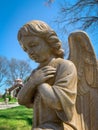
(15, 13)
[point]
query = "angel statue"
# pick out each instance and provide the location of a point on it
(62, 93)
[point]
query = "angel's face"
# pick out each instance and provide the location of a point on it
(36, 47)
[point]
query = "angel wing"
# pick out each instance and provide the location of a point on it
(83, 56)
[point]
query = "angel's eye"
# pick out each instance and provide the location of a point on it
(33, 45)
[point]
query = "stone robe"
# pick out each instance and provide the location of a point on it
(47, 114)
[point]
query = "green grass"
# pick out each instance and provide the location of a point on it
(1, 100)
(18, 118)
(13, 100)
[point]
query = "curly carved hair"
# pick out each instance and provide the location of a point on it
(41, 29)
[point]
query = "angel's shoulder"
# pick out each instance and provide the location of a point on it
(65, 63)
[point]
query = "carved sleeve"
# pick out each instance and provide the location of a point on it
(65, 88)
(26, 94)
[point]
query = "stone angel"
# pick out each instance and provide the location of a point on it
(58, 99)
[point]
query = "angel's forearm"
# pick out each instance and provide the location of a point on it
(48, 95)
(26, 93)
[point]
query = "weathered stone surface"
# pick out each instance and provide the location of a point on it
(63, 93)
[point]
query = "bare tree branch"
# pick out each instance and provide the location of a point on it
(17, 69)
(48, 2)
(11, 70)
(3, 70)
(83, 14)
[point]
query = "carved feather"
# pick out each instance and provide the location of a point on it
(83, 56)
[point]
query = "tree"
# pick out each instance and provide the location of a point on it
(17, 69)
(80, 14)
(77, 15)
(48, 2)
(11, 70)
(3, 70)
